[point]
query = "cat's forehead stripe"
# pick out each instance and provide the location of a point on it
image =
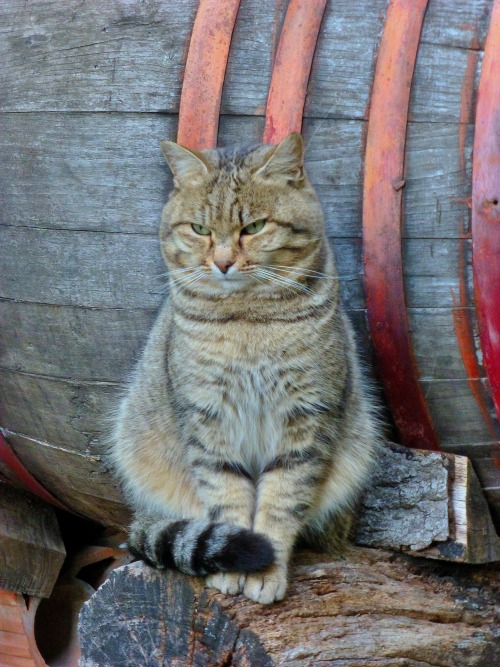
(229, 158)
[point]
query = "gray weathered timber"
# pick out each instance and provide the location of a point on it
(427, 504)
(31, 548)
(435, 343)
(438, 180)
(78, 172)
(72, 415)
(83, 483)
(72, 342)
(430, 100)
(455, 412)
(407, 508)
(462, 24)
(82, 192)
(94, 56)
(128, 56)
(85, 344)
(96, 269)
(370, 609)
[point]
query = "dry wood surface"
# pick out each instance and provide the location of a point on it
(31, 548)
(88, 90)
(369, 609)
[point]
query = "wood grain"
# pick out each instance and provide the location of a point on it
(83, 483)
(71, 342)
(103, 270)
(31, 548)
(371, 608)
(128, 56)
(78, 173)
(83, 190)
(71, 415)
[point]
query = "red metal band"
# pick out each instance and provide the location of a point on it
(382, 214)
(204, 73)
(292, 66)
(486, 206)
(462, 316)
(10, 459)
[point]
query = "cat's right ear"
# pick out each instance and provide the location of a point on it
(189, 167)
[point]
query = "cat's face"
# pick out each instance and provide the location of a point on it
(246, 219)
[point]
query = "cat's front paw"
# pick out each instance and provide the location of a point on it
(268, 586)
(230, 583)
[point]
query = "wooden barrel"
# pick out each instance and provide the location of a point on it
(88, 90)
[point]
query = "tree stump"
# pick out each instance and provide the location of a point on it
(370, 609)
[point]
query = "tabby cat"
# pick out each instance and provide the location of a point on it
(245, 426)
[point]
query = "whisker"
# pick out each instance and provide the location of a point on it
(301, 271)
(186, 279)
(284, 282)
(252, 275)
(290, 281)
(176, 271)
(194, 281)
(191, 283)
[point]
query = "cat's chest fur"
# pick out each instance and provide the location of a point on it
(253, 417)
(245, 387)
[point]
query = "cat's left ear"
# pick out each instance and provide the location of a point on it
(189, 167)
(286, 160)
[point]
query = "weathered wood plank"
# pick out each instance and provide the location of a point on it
(79, 343)
(435, 344)
(95, 269)
(427, 504)
(105, 172)
(94, 56)
(455, 413)
(462, 24)
(71, 415)
(432, 99)
(72, 342)
(366, 610)
(82, 483)
(438, 181)
(31, 548)
(128, 56)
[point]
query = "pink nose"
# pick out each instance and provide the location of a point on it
(223, 264)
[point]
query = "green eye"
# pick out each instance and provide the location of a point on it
(253, 227)
(199, 229)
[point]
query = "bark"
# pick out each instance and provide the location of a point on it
(369, 609)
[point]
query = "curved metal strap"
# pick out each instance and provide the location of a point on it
(382, 213)
(463, 319)
(486, 206)
(204, 74)
(292, 66)
(9, 458)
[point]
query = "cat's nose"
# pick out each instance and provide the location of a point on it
(223, 264)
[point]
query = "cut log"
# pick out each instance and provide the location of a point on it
(31, 548)
(369, 609)
(31, 557)
(428, 504)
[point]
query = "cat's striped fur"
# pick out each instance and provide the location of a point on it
(245, 426)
